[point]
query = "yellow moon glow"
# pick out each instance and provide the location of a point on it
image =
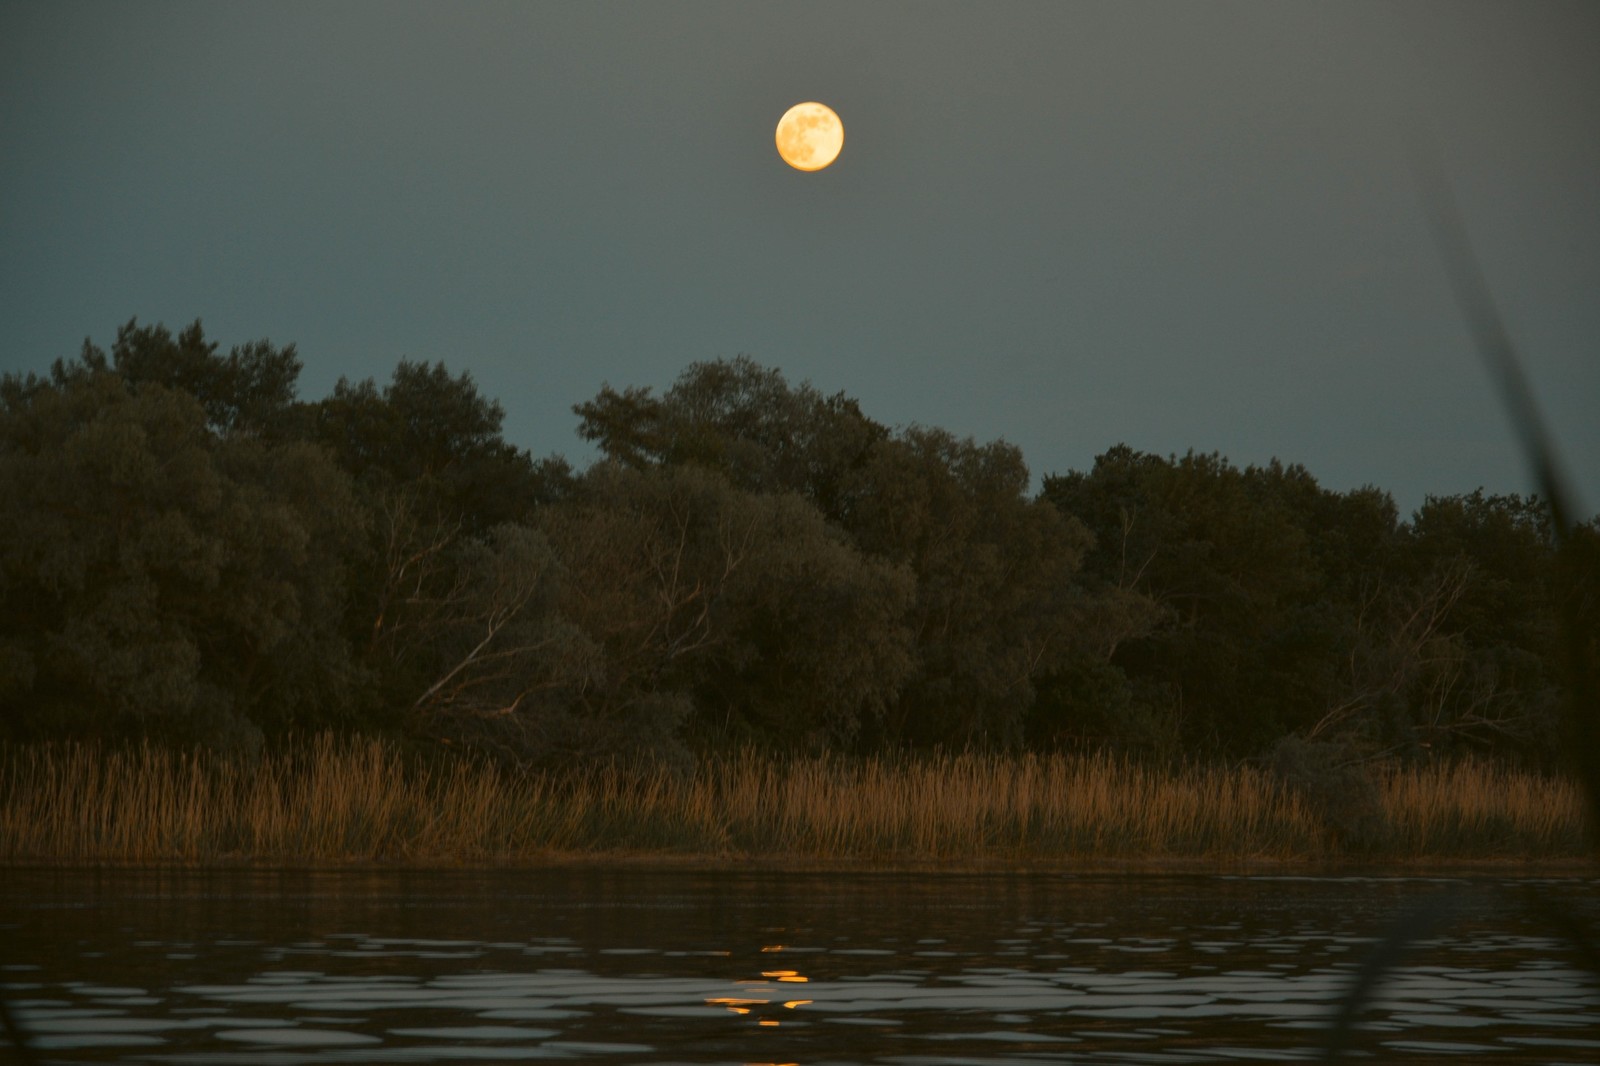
(810, 136)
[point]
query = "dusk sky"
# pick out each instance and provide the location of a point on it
(1065, 224)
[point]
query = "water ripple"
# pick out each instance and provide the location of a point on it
(738, 968)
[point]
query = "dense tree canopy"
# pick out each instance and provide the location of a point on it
(192, 553)
(160, 576)
(744, 421)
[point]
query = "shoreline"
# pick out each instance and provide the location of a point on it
(1418, 868)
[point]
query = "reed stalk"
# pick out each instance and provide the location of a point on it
(363, 801)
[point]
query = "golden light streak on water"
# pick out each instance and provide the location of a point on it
(791, 976)
(737, 1005)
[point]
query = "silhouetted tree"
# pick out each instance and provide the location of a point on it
(732, 615)
(1231, 559)
(250, 390)
(995, 606)
(159, 578)
(743, 421)
(431, 435)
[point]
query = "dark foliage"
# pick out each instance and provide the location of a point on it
(191, 553)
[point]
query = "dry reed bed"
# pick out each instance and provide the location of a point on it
(363, 801)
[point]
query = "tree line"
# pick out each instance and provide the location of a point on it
(189, 552)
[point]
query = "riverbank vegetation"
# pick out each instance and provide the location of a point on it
(366, 801)
(196, 560)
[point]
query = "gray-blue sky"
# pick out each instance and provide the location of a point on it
(1065, 224)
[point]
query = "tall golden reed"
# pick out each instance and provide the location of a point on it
(362, 801)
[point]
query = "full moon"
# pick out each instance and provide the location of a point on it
(810, 136)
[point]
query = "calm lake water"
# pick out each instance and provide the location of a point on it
(618, 966)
